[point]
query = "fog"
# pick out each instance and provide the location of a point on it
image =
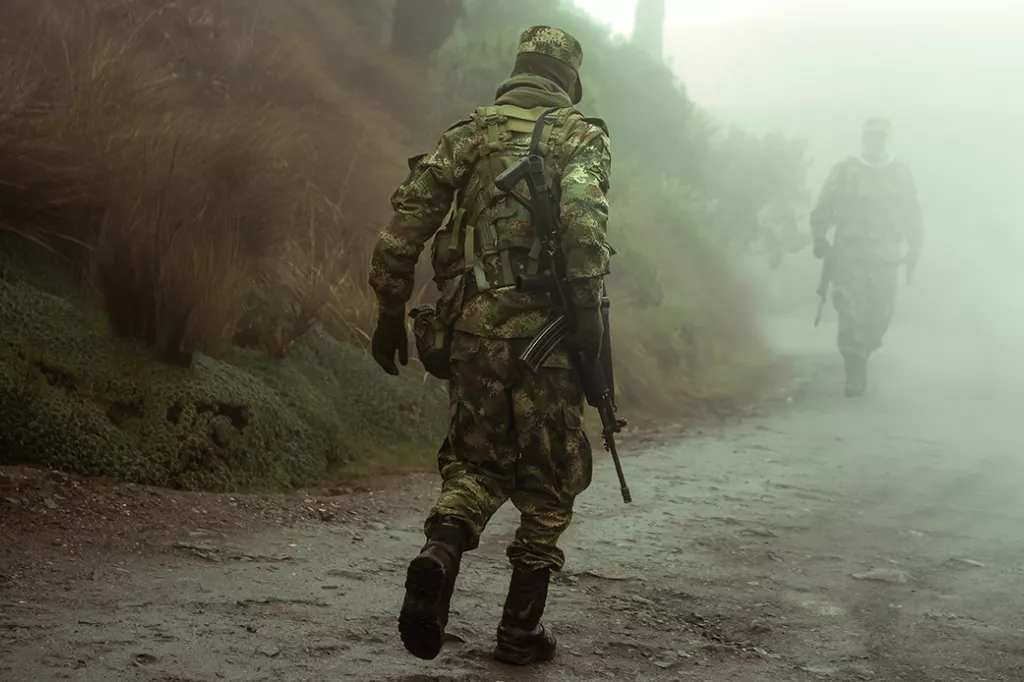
(948, 74)
(193, 412)
(950, 82)
(950, 374)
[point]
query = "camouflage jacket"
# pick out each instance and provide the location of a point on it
(874, 209)
(429, 196)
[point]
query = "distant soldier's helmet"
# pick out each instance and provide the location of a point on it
(555, 43)
(878, 125)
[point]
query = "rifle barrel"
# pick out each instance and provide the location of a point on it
(609, 444)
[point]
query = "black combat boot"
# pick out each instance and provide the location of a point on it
(856, 374)
(521, 637)
(429, 584)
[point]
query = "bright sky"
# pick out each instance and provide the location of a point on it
(698, 13)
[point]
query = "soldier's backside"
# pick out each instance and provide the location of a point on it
(513, 434)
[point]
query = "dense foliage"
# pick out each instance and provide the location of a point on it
(218, 169)
(689, 197)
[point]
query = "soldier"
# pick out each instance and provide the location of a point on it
(512, 434)
(871, 202)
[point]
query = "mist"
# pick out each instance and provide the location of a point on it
(950, 82)
(211, 466)
(940, 421)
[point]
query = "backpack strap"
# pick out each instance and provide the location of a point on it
(540, 144)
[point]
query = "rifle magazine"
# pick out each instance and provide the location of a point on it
(545, 343)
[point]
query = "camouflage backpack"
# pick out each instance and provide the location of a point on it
(487, 238)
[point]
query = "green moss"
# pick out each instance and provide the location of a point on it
(75, 397)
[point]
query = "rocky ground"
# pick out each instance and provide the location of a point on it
(824, 539)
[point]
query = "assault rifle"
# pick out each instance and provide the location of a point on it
(828, 265)
(596, 374)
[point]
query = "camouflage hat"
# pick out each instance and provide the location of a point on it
(557, 44)
(553, 42)
(878, 125)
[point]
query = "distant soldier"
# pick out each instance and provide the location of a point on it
(514, 435)
(871, 203)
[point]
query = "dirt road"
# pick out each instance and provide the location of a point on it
(874, 539)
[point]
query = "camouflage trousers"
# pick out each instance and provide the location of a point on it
(513, 436)
(864, 295)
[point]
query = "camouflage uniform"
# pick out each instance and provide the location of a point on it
(874, 209)
(512, 435)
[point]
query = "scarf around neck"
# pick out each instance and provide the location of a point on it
(529, 91)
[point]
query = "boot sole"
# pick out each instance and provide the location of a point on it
(521, 658)
(418, 625)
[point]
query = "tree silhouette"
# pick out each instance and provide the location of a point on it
(649, 27)
(420, 27)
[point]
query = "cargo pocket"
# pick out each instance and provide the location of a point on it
(577, 466)
(433, 341)
(446, 456)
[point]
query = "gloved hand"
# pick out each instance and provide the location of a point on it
(390, 337)
(821, 247)
(589, 332)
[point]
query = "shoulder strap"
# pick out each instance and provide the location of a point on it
(539, 144)
(539, 130)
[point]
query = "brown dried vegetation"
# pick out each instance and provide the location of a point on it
(217, 169)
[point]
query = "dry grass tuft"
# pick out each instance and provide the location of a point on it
(219, 170)
(209, 163)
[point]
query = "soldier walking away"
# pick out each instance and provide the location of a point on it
(870, 204)
(513, 434)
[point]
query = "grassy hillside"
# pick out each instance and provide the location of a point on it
(190, 191)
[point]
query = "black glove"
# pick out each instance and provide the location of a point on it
(821, 247)
(390, 337)
(589, 332)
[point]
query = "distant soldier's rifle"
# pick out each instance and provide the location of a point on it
(827, 272)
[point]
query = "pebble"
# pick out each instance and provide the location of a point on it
(269, 650)
(966, 563)
(884, 575)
